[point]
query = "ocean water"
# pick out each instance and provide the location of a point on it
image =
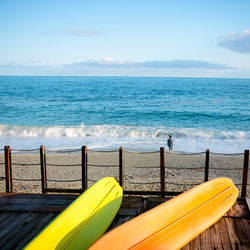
(135, 112)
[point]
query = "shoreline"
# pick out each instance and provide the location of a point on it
(177, 170)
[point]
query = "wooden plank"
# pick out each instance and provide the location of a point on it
(224, 234)
(3, 216)
(237, 211)
(244, 211)
(6, 220)
(215, 237)
(244, 240)
(120, 220)
(131, 198)
(187, 247)
(154, 202)
(16, 201)
(21, 234)
(151, 193)
(41, 196)
(195, 243)
(205, 240)
(143, 208)
(128, 212)
(32, 208)
(246, 225)
(158, 199)
(13, 233)
(41, 203)
(32, 230)
(129, 204)
(41, 200)
(234, 238)
(2, 201)
(64, 190)
(11, 225)
(6, 216)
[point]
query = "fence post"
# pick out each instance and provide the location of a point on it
(84, 167)
(8, 169)
(162, 169)
(207, 164)
(43, 169)
(245, 172)
(121, 169)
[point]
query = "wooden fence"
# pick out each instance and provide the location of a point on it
(84, 170)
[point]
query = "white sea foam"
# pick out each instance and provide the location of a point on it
(113, 136)
(102, 131)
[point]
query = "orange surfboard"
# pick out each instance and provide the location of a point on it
(174, 223)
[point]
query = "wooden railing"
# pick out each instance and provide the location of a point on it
(84, 169)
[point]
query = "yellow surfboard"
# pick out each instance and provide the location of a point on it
(84, 221)
(174, 223)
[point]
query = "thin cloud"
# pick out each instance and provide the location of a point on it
(113, 67)
(75, 32)
(236, 42)
(174, 64)
(183, 64)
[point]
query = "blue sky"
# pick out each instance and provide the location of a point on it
(125, 38)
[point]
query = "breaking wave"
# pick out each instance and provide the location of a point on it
(116, 131)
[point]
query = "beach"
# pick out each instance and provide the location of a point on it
(141, 170)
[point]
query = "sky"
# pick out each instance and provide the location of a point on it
(125, 38)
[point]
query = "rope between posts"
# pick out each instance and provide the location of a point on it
(135, 183)
(226, 154)
(17, 179)
(63, 150)
(226, 168)
(103, 151)
(24, 150)
(62, 165)
(172, 153)
(182, 184)
(186, 168)
(135, 152)
(2, 178)
(92, 180)
(52, 180)
(105, 166)
(25, 164)
(143, 167)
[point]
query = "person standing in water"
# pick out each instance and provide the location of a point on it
(170, 144)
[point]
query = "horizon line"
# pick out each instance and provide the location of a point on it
(210, 77)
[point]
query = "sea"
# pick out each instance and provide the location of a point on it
(138, 113)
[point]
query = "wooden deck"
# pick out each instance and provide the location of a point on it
(22, 216)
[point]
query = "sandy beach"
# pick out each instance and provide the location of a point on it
(141, 171)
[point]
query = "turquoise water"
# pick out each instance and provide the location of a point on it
(138, 113)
